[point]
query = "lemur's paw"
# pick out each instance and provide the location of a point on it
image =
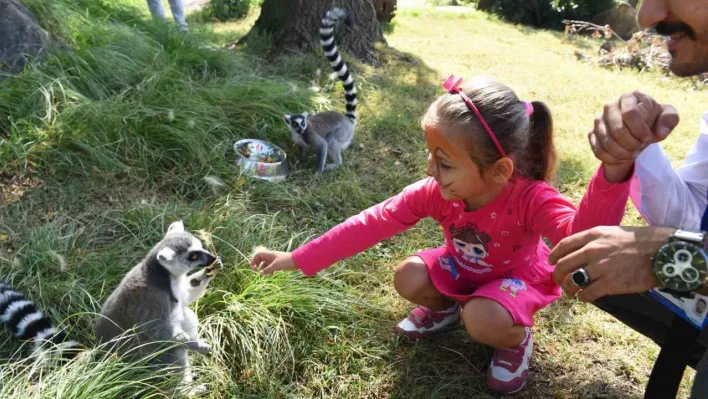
(218, 264)
(198, 390)
(202, 346)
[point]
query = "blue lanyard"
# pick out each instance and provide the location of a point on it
(704, 222)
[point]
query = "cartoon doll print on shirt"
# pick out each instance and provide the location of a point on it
(470, 248)
(471, 244)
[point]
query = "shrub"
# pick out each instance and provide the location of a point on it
(225, 10)
(549, 13)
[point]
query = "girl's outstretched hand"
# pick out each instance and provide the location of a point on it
(272, 261)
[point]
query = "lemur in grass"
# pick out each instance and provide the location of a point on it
(152, 300)
(329, 132)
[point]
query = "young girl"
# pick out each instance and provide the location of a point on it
(490, 156)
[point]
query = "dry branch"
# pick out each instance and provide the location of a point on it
(572, 26)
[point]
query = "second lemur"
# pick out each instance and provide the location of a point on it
(329, 132)
(154, 298)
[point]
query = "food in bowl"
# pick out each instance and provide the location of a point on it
(261, 159)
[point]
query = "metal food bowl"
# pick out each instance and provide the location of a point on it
(262, 160)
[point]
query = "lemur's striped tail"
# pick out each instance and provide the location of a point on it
(335, 60)
(28, 324)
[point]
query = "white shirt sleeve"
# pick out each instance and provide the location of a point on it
(668, 197)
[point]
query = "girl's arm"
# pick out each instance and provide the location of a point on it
(369, 227)
(554, 217)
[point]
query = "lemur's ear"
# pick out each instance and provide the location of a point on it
(166, 254)
(176, 227)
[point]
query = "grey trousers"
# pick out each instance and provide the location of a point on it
(177, 12)
(650, 318)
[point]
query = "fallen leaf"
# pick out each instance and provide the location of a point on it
(246, 375)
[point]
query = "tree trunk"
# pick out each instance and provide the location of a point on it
(536, 12)
(293, 26)
(385, 9)
(485, 5)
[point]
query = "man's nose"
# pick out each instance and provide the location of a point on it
(652, 12)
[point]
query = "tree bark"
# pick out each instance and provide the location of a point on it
(293, 26)
(385, 9)
(536, 11)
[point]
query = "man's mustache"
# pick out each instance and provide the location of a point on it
(670, 28)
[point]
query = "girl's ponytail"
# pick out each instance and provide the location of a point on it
(541, 153)
(523, 130)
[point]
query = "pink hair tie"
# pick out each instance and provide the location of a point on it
(529, 107)
(453, 87)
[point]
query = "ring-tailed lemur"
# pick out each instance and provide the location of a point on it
(153, 301)
(28, 324)
(328, 132)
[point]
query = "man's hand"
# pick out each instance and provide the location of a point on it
(272, 261)
(617, 259)
(626, 127)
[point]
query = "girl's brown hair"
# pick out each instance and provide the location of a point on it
(527, 139)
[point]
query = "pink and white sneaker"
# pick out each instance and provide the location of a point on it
(424, 322)
(510, 367)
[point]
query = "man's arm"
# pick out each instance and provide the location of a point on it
(617, 259)
(668, 197)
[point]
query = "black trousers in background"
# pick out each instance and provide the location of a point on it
(648, 317)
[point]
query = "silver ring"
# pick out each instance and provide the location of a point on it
(580, 278)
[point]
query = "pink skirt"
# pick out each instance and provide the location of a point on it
(521, 298)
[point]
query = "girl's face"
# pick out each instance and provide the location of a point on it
(459, 178)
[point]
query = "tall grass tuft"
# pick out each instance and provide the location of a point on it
(118, 95)
(264, 331)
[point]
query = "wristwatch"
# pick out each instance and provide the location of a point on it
(681, 266)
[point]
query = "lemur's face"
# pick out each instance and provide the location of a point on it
(296, 123)
(182, 252)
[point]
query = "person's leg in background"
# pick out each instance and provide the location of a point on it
(178, 14)
(177, 8)
(156, 9)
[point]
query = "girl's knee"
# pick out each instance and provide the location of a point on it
(411, 277)
(487, 321)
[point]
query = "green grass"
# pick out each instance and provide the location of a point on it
(112, 143)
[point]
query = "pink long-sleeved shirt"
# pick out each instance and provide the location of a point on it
(503, 238)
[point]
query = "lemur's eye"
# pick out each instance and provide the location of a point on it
(294, 124)
(193, 257)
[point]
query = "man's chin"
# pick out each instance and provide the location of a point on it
(686, 69)
(681, 71)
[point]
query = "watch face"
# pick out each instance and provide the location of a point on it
(681, 266)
